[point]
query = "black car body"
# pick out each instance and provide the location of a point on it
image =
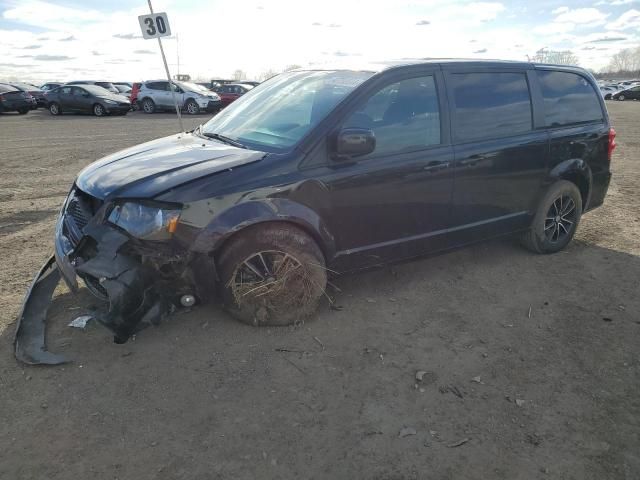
(13, 99)
(35, 92)
(86, 99)
(632, 93)
(335, 171)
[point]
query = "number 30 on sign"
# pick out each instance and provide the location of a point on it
(155, 25)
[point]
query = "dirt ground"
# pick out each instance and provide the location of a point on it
(508, 394)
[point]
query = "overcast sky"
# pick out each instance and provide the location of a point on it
(66, 40)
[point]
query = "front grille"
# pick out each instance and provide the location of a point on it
(81, 207)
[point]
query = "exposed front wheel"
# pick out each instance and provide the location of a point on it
(98, 110)
(556, 219)
(23, 111)
(192, 107)
(272, 274)
(621, 98)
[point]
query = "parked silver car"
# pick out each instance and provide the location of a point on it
(156, 95)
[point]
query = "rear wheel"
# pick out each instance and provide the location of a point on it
(148, 106)
(272, 274)
(23, 111)
(98, 110)
(54, 109)
(556, 219)
(621, 98)
(192, 107)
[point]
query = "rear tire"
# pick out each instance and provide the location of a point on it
(556, 219)
(272, 274)
(54, 109)
(23, 111)
(148, 106)
(621, 98)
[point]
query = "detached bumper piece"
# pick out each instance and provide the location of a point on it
(29, 342)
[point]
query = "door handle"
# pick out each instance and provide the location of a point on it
(435, 166)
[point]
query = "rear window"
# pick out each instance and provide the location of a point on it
(490, 105)
(568, 99)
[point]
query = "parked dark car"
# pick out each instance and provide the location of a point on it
(13, 99)
(331, 171)
(632, 93)
(86, 99)
(34, 91)
(106, 85)
(50, 86)
(231, 92)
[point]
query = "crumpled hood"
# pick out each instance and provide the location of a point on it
(149, 169)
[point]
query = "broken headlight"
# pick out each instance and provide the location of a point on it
(144, 221)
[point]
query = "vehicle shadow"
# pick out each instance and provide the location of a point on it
(559, 332)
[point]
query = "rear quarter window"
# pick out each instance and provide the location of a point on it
(491, 105)
(569, 99)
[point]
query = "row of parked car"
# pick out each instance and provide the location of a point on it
(103, 98)
(627, 90)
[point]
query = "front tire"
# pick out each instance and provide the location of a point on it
(98, 110)
(556, 219)
(192, 107)
(621, 98)
(23, 111)
(272, 274)
(54, 109)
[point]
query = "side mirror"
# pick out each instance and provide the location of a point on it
(354, 142)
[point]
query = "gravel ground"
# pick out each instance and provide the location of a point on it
(532, 361)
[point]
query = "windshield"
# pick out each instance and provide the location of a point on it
(96, 90)
(194, 87)
(277, 114)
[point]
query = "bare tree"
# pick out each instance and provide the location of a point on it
(291, 67)
(267, 74)
(239, 75)
(625, 61)
(564, 57)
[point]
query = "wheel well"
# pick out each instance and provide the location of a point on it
(316, 238)
(581, 182)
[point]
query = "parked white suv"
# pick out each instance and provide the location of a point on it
(155, 95)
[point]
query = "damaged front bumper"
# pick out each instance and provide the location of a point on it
(138, 282)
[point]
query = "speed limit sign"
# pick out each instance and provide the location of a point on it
(155, 25)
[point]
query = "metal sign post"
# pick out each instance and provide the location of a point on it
(156, 26)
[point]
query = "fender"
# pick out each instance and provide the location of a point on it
(575, 170)
(250, 213)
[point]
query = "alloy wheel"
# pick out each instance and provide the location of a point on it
(192, 108)
(98, 110)
(269, 279)
(53, 108)
(560, 219)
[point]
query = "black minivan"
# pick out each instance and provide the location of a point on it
(319, 172)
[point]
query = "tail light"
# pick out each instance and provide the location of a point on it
(612, 142)
(1, 98)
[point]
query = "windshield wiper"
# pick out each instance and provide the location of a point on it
(222, 138)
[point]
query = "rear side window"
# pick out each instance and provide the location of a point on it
(490, 105)
(568, 99)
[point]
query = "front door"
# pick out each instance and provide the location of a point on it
(395, 202)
